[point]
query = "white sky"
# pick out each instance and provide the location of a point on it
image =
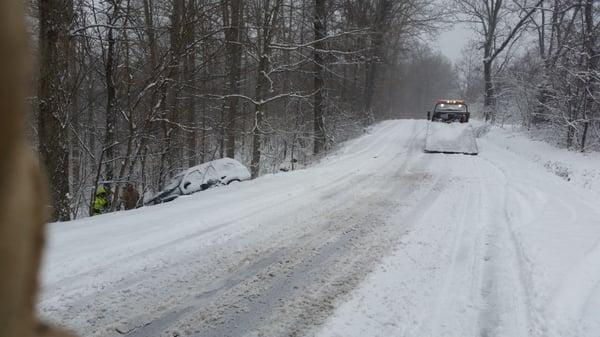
(451, 41)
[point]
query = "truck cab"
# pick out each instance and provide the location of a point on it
(450, 110)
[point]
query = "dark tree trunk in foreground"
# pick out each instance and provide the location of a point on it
(54, 46)
(320, 32)
(593, 61)
(371, 74)
(111, 109)
(384, 10)
(259, 116)
(232, 20)
(489, 91)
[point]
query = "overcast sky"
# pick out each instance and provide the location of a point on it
(451, 42)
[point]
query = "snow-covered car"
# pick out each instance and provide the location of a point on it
(202, 177)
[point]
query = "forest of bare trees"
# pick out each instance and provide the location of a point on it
(539, 64)
(132, 91)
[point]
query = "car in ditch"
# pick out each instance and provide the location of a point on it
(450, 110)
(215, 173)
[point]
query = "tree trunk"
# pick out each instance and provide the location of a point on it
(54, 45)
(232, 20)
(259, 112)
(319, 83)
(169, 111)
(593, 61)
(488, 100)
(175, 72)
(191, 110)
(111, 107)
(586, 126)
(190, 71)
(149, 21)
(488, 105)
(371, 74)
(265, 37)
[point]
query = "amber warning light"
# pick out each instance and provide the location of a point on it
(451, 101)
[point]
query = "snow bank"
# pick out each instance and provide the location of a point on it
(581, 169)
(450, 138)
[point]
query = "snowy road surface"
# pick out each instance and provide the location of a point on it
(378, 239)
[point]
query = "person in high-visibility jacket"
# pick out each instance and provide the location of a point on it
(100, 200)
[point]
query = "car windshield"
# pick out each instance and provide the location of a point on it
(451, 107)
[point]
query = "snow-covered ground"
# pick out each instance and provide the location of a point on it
(450, 138)
(582, 169)
(378, 239)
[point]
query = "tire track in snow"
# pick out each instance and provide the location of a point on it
(461, 263)
(375, 143)
(455, 304)
(521, 266)
(121, 304)
(547, 203)
(507, 307)
(347, 255)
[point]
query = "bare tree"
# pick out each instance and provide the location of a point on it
(554, 83)
(232, 21)
(56, 17)
(320, 31)
(498, 23)
(156, 86)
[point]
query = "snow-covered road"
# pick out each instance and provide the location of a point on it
(378, 239)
